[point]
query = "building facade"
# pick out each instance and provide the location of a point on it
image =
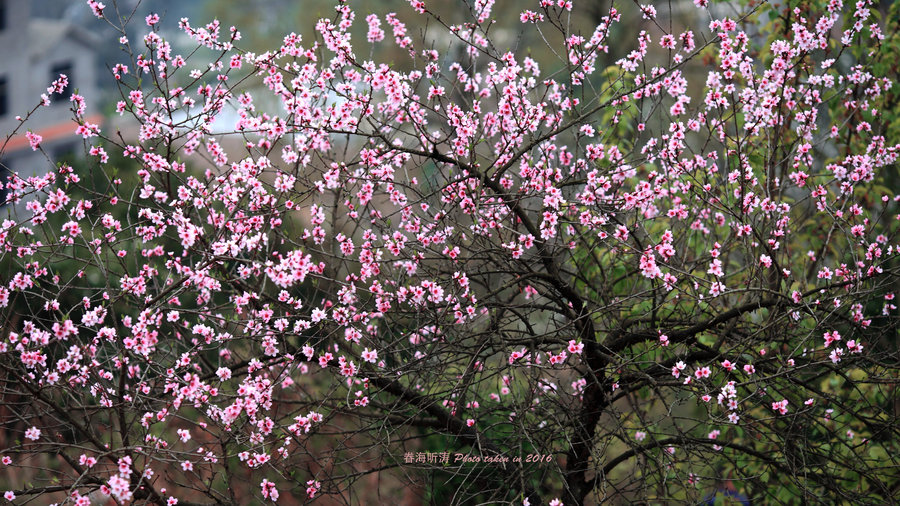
(34, 51)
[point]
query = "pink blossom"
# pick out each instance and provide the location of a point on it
(312, 488)
(780, 406)
(575, 347)
(96, 7)
(831, 337)
(268, 490)
(648, 12)
(34, 140)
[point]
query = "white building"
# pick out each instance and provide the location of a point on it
(33, 52)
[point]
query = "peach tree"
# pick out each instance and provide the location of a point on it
(403, 255)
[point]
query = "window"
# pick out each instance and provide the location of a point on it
(67, 69)
(65, 153)
(4, 178)
(4, 97)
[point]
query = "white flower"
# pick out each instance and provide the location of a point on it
(33, 433)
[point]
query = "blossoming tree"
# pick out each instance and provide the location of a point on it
(480, 277)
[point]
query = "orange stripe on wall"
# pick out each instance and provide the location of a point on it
(51, 133)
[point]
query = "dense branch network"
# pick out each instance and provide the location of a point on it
(634, 279)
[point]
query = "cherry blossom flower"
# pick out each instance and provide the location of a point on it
(269, 491)
(780, 406)
(575, 347)
(34, 140)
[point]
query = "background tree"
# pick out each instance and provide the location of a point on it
(478, 278)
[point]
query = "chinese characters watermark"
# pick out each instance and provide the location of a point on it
(446, 458)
